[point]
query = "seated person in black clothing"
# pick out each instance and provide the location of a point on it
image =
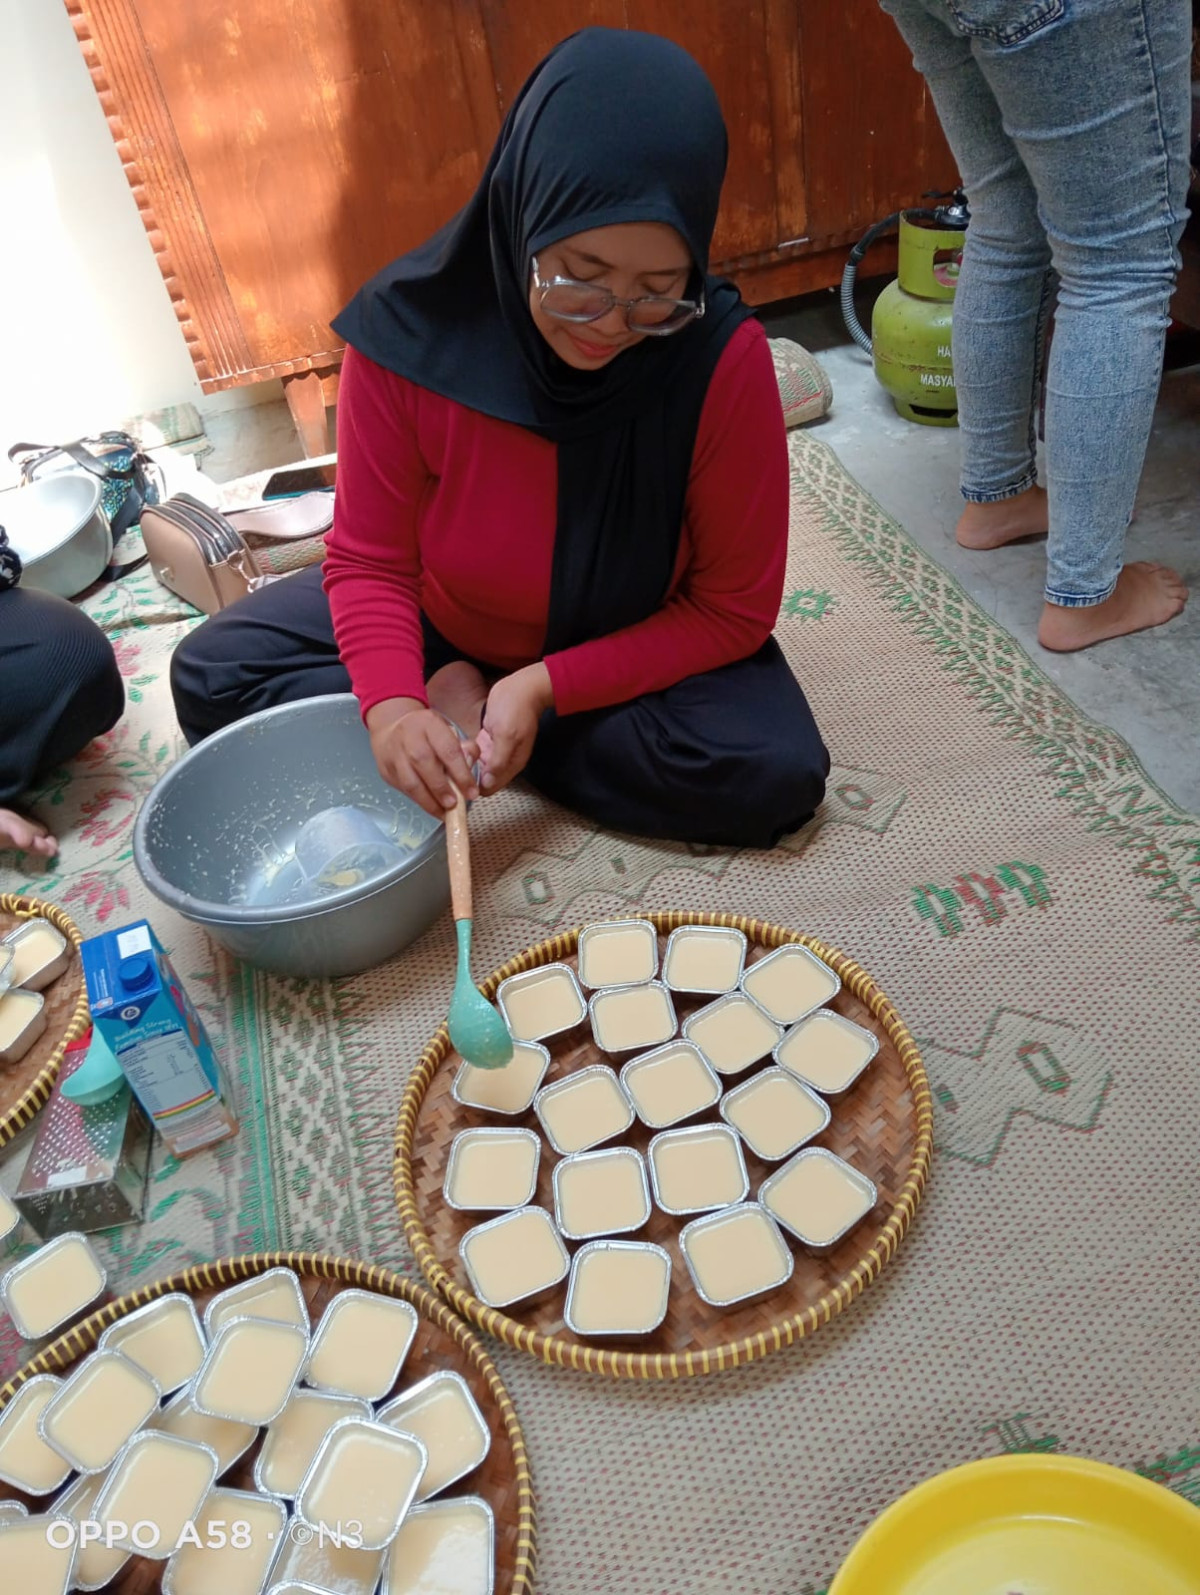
(59, 688)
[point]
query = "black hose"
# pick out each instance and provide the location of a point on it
(849, 314)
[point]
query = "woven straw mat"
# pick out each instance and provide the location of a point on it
(1026, 897)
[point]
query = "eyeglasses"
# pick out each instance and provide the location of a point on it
(568, 300)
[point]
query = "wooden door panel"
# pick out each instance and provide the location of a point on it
(731, 44)
(872, 142)
(320, 141)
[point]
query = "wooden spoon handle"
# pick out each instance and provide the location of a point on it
(458, 849)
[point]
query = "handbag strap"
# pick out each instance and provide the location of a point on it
(81, 455)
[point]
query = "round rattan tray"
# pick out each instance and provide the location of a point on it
(883, 1125)
(25, 1086)
(443, 1341)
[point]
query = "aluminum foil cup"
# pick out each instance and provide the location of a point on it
(6, 963)
(171, 1574)
(531, 978)
(727, 1215)
(10, 1510)
(15, 1529)
(344, 1406)
(466, 1138)
(53, 966)
(544, 1289)
(604, 1001)
(858, 1179)
(205, 1405)
(731, 1099)
(592, 975)
(695, 1131)
(77, 1502)
(157, 1552)
(819, 1018)
(693, 1029)
(793, 953)
(395, 1412)
(635, 1069)
(116, 1336)
(224, 1305)
(716, 936)
(305, 1509)
(52, 1384)
(29, 1264)
(30, 1008)
(610, 1154)
(329, 1319)
(579, 1266)
(549, 1092)
(392, 1574)
(78, 1376)
(232, 1443)
(478, 1088)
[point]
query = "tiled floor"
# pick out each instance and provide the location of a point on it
(1147, 686)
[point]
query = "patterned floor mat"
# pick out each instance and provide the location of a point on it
(1027, 898)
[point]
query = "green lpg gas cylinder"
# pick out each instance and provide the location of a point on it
(910, 327)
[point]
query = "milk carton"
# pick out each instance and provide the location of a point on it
(140, 1007)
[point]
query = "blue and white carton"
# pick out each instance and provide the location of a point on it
(141, 1009)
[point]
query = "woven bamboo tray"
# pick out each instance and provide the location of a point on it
(25, 1086)
(884, 1126)
(442, 1341)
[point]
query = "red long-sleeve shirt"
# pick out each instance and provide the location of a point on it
(442, 508)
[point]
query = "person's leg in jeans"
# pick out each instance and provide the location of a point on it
(1092, 100)
(1004, 289)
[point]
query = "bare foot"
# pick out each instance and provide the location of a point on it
(1006, 521)
(460, 692)
(27, 836)
(1146, 595)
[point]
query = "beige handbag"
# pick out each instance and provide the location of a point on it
(202, 555)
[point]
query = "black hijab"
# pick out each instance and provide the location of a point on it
(613, 126)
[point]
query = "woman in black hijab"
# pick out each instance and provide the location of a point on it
(562, 488)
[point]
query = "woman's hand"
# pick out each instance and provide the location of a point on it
(419, 754)
(514, 710)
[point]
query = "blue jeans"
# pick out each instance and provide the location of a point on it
(1070, 121)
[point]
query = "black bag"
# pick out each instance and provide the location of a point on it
(129, 478)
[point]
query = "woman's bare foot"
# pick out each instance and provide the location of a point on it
(1146, 595)
(27, 836)
(459, 691)
(1008, 520)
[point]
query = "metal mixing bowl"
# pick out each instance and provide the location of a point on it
(61, 533)
(223, 820)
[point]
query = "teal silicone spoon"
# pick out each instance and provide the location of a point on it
(97, 1078)
(477, 1032)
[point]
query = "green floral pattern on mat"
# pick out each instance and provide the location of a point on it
(807, 604)
(1179, 1472)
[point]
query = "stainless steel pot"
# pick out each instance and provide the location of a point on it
(225, 817)
(57, 527)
